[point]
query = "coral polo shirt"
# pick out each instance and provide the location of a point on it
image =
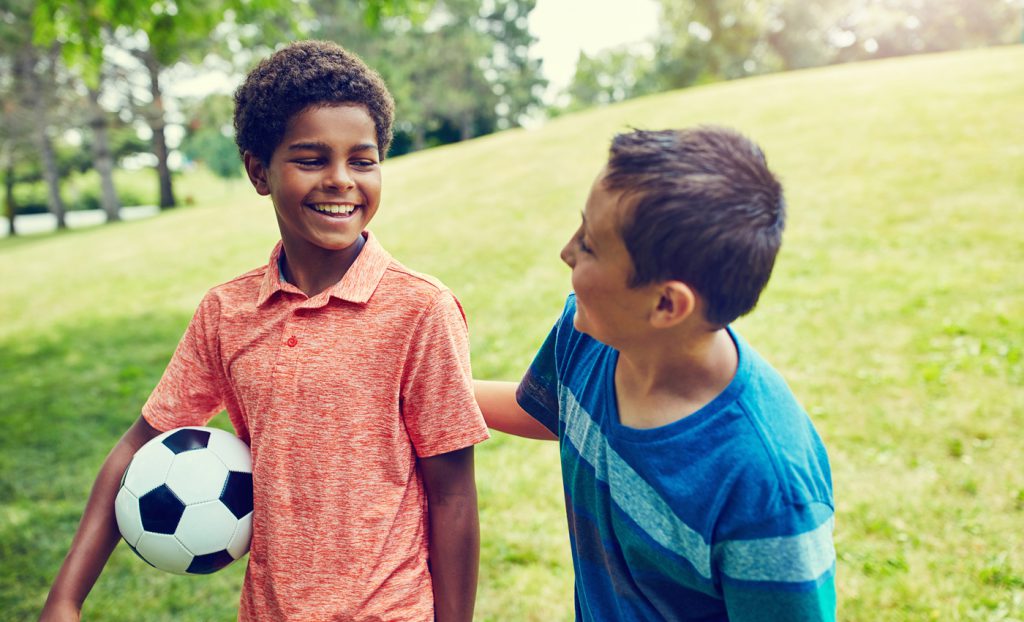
(338, 395)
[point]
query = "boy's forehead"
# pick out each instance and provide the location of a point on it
(317, 120)
(305, 112)
(605, 206)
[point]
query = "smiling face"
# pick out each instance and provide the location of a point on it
(607, 308)
(323, 178)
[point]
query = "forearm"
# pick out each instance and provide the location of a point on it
(454, 557)
(454, 533)
(497, 401)
(97, 533)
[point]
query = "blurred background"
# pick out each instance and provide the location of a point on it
(91, 88)
(895, 309)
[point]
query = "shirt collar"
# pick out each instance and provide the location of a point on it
(358, 284)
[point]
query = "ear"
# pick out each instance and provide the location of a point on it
(257, 173)
(676, 302)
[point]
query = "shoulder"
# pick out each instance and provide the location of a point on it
(411, 278)
(416, 293)
(421, 283)
(784, 457)
(242, 284)
(235, 296)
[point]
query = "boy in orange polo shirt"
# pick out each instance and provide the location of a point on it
(347, 373)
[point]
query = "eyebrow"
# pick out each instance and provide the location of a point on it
(320, 146)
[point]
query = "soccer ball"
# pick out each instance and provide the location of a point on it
(185, 502)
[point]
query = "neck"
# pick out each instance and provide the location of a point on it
(313, 269)
(695, 367)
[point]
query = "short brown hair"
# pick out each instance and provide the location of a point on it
(704, 209)
(301, 75)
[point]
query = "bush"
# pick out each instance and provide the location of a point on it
(83, 192)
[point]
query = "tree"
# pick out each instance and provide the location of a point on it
(701, 41)
(103, 160)
(457, 68)
(610, 76)
(804, 33)
(15, 126)
(34, 83)
(171, 31)
(515, 77)
(208, 136)
(899, 27)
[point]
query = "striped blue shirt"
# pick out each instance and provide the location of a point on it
(725, 514)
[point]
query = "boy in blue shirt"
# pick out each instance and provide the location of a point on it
(696, 486)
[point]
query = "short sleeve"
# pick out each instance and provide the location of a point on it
(538, 390)
(438, 405)
(191, 390)
(783, 578)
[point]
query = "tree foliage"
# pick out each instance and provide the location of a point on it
(701, 41)
(457, 68)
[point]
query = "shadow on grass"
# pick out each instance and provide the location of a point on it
(67, 396)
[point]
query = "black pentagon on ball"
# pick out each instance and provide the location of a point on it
(161, 510)
(237, 495)
(187, 439)
(206, 564)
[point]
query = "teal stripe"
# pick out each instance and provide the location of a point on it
(629, 491)
(793, 559)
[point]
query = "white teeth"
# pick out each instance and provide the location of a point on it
(331, 208)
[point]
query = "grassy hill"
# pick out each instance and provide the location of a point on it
(896, 312)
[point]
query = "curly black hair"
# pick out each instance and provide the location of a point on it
(298, 76)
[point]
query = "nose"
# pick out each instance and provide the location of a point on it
(340, 178)
(568, 255)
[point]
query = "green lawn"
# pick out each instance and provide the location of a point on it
(896, 312)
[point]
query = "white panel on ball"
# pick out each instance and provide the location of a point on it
(197, 476)
(148, 468)
(242, 537)
(164, 551)
(234, 455)
(206, 528)
(126, 510)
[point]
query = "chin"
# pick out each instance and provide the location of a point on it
(580, 324)
(339, 244)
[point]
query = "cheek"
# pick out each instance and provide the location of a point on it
(584, 280)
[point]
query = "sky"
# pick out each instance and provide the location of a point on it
(565, 27)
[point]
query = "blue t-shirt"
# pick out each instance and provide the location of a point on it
(725, 514)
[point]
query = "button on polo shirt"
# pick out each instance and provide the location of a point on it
(337, 394)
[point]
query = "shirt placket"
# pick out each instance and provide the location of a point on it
(291, 348)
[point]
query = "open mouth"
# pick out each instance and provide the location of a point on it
(334, 210)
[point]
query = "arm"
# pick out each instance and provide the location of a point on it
(787, 578)
(97, 533)
(809, 605)
(497, 401)
(454, 533)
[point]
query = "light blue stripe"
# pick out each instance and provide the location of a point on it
(629, 491)
(800, 558)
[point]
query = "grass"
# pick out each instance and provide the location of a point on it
(896, 312)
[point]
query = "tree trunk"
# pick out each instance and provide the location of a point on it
(50, 172)
(419, 137)
(155, 117)
(103, 161)
(10, 207)
(38, 94)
